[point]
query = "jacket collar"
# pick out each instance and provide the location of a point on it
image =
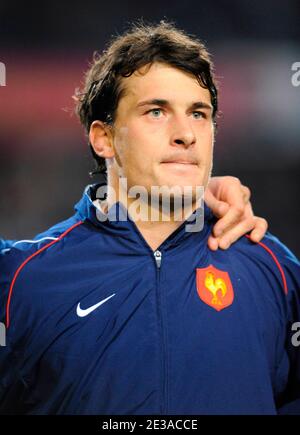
(117, 221)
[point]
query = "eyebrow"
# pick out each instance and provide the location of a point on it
(166, 103)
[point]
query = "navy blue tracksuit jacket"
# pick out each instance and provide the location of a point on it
(98, 323)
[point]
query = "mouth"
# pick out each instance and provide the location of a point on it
(180, 167)
(179, 162)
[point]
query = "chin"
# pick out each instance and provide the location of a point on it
(180, 188)
(185, 183)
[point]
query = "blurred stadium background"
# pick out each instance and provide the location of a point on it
(46, 47)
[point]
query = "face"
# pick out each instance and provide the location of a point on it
(163, 132)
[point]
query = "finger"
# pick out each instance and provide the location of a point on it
(249, 211)
(219, 208)
(246, 193)
(212, 243)
(231, 218)
(235, 194)
(235, 233)
(260, 229)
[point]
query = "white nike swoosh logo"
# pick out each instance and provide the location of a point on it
(82, 313)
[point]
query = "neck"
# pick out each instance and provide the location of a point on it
(155, 233)
(155, 223)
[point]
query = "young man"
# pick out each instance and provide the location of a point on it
(110, 314)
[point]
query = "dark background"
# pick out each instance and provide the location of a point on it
(46, 47)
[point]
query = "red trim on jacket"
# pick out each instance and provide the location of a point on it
(285, 287)
(26, 261)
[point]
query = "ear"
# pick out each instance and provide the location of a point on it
(101, 139)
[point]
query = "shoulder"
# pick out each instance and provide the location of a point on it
(274, 259)
(38, 241)
(15, 254)
(16, 261)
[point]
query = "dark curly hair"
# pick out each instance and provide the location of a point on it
(140, 46)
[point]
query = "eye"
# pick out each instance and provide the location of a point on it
(156, 112)
(199, 115)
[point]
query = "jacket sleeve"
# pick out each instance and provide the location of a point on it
(6, 348)
(289, 402)
(11, 383)
(291, 399)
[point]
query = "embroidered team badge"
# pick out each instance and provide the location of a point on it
(214, 287)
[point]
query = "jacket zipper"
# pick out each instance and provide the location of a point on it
(158, 257)
(164, 407)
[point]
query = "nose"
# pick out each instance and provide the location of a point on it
(183, 134)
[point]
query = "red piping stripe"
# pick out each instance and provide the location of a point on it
(26, 261)
(277, 264)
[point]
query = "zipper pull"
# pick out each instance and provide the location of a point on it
(158, 256)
